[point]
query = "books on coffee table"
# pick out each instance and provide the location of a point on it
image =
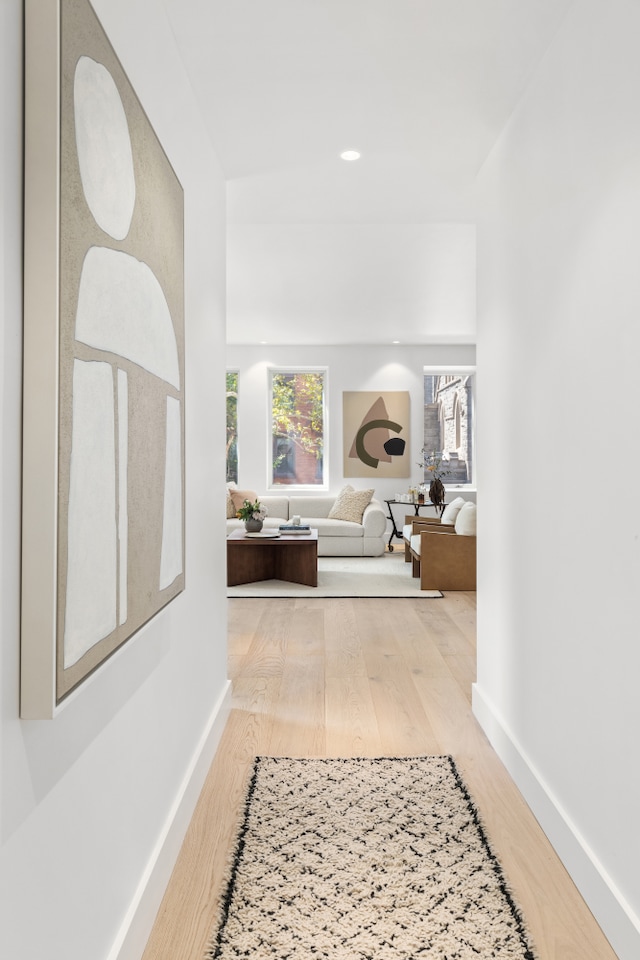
(293, 529)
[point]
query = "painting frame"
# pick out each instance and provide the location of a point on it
(99, 388)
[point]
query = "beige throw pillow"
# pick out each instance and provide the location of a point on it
(238, 497)
(350, 504)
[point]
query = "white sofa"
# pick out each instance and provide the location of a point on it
(336, 538)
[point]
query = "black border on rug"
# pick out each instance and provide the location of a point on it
(518, 916)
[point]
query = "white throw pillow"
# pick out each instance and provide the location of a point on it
(350, 504)
(466, 520)
(451, 511)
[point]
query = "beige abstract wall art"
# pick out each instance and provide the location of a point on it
(114, 242)
(376, 433)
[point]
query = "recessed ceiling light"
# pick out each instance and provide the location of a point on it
(350, 155)
(395, 341)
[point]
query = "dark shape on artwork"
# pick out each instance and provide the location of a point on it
(395, 446)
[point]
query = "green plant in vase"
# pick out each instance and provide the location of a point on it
(253, 515)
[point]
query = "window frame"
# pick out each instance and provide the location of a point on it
(276, 488)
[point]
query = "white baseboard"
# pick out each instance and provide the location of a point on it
(614, 915)
(135, 929)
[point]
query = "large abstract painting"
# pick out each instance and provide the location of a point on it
(376, 433)
(104, 346)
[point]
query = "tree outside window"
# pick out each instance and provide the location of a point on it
(232, 427)
(297, 428)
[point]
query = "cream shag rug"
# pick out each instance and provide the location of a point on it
(384, 576)
(365, 860)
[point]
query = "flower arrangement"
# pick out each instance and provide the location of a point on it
(432, 462)
(252, 511)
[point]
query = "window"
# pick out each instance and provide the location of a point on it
(297, 427)
(232, 426)
(449, 422)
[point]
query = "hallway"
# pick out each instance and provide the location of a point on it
(363, 678)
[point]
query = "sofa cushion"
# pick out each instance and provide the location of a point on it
(310, 506)
(416, 543)
(350, 504)
(465, 524)
(328, 527)
(276, 507)
(451, 511)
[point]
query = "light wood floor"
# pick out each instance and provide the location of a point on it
(363, 678)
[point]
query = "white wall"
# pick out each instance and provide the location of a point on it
(87, 799)
(319, 283)
(559, 540)
(349, 368)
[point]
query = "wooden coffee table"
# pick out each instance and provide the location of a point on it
(292, 558)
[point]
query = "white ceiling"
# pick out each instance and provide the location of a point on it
(422, 88)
